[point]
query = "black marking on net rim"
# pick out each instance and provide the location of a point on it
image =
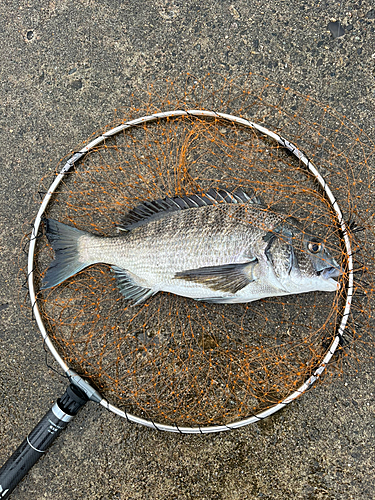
(65, 376)
(235, 121)
(33, 305)
(32, 237)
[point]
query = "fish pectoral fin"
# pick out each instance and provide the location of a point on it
(128, 286)
(226, 278)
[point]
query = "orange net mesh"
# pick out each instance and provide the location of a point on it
(176, 360)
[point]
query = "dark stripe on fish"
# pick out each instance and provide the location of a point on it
(273, 238)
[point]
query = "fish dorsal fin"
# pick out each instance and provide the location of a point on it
(157, 209)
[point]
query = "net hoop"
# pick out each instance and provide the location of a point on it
(92, 393)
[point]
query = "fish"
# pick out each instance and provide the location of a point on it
(222, 246)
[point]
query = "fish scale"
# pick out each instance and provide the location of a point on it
(197, 237)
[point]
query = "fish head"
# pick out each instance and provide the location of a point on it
(315, 261)
(315, 267)
(302, 262)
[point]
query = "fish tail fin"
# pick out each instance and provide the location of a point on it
(64, 241)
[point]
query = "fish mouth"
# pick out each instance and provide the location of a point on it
(330, 272)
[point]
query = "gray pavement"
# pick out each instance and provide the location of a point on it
(65, 66)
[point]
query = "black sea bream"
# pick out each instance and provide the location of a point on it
(222, 246)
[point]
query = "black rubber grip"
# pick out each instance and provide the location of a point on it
(40, 439)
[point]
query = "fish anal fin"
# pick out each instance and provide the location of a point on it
(225, 278)
(128, 286)
(216, 300)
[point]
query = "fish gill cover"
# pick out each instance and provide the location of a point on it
(176, 360)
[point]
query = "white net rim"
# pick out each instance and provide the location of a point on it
(92, 393)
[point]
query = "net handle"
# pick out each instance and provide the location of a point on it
(197, 113)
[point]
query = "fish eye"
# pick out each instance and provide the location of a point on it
(314, 246)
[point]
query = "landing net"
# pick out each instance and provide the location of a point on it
(175, 363)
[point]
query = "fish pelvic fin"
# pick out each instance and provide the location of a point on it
(157, 209)
(226, 278)
(64, 241)
(129, 288)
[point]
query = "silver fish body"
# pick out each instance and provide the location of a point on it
(219, 247)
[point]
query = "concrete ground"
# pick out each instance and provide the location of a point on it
(65, 66)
